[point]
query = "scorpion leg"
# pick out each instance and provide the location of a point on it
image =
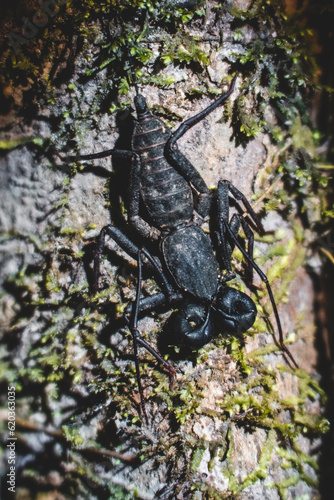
(270, 293)
(182, 164)
(225, 185)
(231, 230)
(121, 239)
(132, 312)
(115, 153)
(132, 322)
(101, 154)
(187, 124)
(142, 227)
(227, 244)
(154, 264)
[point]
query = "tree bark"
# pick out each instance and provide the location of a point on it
(240, 422)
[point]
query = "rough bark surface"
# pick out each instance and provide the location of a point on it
(239, 423)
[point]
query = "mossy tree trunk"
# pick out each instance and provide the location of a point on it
(240, 422)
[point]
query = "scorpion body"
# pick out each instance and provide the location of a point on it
(166, 194)
(169, 200)
(167, 185)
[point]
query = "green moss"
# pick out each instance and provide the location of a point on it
(79, 321)
(73, 434)
(11, 144)
(255, 403)
(261, 470)
(196, 458)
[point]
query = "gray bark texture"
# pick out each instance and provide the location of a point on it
(240, 422)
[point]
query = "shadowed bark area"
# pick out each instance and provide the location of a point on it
(240, 422)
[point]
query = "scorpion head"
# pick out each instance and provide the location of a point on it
(141, 107)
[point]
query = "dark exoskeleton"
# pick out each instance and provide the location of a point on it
(185, 264)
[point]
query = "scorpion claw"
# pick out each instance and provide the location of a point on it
(237, 311)
(191, 326)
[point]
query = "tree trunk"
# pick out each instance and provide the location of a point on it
(241, 421)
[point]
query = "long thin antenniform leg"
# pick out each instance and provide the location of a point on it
(115, 153)
(183, 165)
(101, 154)
(138, 341)
(187, 124)
(270, 293)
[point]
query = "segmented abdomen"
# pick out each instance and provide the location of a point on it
(166, 194)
